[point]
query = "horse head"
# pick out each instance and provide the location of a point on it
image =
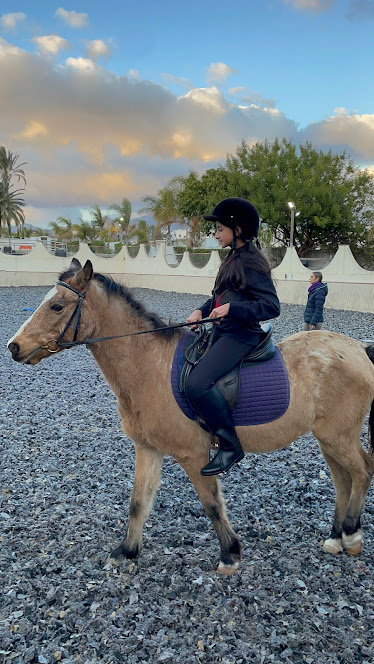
(57, 320)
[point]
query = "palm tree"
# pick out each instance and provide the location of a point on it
(11, 204)
(62, 228)
(9, 167)
(142, 232)
(84, 231)
(123, 218)
(98, 220)
(11, 201)
(164, 206)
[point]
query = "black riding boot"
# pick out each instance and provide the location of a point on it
(217, 414)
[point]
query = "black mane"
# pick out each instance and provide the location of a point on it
(111, 287)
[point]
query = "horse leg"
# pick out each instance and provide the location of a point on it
(359, 465)
(148, 463)
(343, 485)
(362, 470)
(209, 492)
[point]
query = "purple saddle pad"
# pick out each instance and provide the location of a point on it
(264, 392)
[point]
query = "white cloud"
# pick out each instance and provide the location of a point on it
(9, 21)
(97, 137)
(310, 5)
(96, 48)
(51, 44)
(72, 18)
(8, 49)
(133, 73)
(218, 72)
(183, 82)
(82, 64)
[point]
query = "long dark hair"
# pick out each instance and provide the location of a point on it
(231, 273)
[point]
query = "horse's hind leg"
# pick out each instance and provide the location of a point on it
(343, 485)
(209, 491)
(348, 453)
(148, 463)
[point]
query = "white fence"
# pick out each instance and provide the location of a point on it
(350, 286)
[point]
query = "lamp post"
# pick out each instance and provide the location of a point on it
(294, 214)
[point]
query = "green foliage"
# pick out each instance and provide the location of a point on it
(123, 218)
(333, 197)
(11, 201)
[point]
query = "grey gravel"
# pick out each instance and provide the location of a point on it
(66, 478)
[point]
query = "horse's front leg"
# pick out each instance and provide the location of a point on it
(209, 491)
(148, 464)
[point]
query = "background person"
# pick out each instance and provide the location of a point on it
(244, 294)
(317, 291)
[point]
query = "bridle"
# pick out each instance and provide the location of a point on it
(55, 345)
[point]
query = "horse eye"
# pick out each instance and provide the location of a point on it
(57, 307)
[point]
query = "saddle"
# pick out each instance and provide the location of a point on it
(229, 383)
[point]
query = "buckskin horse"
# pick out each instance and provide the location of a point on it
(331, 379)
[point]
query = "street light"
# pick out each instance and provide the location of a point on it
(294, 214)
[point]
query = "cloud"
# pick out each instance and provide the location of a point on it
(9, 21)
(183, 82)
(258, 100)
(218, 72)
(361, 10)
(81, 64)
(96, 48)
(310, 5)
(7, 49)
(133, 73)
(96, 138)
(72, 18)
(51, 44)
(349, 131)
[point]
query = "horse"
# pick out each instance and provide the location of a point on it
(331, 379)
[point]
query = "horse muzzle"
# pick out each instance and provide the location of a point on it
(28, 356)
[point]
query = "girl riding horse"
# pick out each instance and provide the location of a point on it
(243, 295)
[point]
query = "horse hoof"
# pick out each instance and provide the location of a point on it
(226, 570)
(353, 543)
(122, 552)
(333, 545)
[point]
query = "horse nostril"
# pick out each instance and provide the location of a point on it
(14, 349)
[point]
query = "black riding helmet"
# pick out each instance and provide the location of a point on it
(233, 212)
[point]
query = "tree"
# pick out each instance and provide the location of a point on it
(84, 231)
(333, 197)
(98, 220)
(123, 218)
(164, 206)
(62, 228)
(11, 202)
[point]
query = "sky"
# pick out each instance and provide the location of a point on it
(106, 100)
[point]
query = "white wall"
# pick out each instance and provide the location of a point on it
(350, 286)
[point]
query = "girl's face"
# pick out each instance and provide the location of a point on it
(313, 278)
(225, 236)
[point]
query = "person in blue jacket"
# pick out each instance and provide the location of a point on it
(317, 291)
(243, 295)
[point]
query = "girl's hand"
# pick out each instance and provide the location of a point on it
(196, 315)
(312, 327)
(220, 312)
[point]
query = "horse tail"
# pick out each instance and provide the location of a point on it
(370, 353)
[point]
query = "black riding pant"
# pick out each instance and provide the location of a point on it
(223, 355)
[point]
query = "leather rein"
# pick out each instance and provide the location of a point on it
(55, 345)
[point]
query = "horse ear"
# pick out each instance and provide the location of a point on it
(75, 265)
(84, 275)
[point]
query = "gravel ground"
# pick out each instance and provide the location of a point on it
(66, 480)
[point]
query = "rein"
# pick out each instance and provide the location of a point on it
(54, 345)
